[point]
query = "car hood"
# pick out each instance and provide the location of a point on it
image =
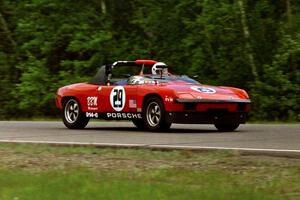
(207, 92)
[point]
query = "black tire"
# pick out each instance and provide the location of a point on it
(139, 123)
(154, 115)
(72, 115)
(226, 127)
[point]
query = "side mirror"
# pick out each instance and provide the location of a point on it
(108, 70)
(108, 73)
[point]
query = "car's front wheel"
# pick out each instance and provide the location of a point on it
(154, 115)
(226, 127)
(72, 115)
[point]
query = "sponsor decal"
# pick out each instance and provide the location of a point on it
(92, 108)
(118, 98)
(92, 103)
(124, 115)
(114, 115)
(91, 115)
(203, 89)
(169, 99)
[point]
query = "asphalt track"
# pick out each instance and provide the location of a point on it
(279, 138)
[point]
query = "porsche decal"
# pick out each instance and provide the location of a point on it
(124, 115)
(114, 115)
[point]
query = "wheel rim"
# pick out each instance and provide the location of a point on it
(153, 114)
(71, 111)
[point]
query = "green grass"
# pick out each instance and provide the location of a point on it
(32, 172)
(157, 184)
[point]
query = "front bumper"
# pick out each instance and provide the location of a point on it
(247, 101)
(58, 101)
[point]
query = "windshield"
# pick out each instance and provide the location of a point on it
(183, 78)
(152, 79)
(133, 75)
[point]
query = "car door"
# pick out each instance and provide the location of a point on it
(117, 98)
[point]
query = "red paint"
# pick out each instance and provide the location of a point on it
(169, 92)
(146, 62)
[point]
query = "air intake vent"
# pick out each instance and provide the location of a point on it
(241, 107)
(190, 106)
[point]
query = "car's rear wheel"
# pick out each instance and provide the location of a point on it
(73, 117)
(154, 115)
(226, 127)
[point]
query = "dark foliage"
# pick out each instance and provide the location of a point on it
(255, 45)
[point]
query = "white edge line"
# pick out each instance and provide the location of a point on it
(152, 146)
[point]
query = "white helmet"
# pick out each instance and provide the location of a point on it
(155, 68)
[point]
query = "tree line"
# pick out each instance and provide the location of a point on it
(255, 45)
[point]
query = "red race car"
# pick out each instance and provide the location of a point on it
(144, 92)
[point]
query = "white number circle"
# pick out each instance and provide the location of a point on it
(203, 89)
(118, 98)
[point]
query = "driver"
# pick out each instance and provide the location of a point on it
(159, 68)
